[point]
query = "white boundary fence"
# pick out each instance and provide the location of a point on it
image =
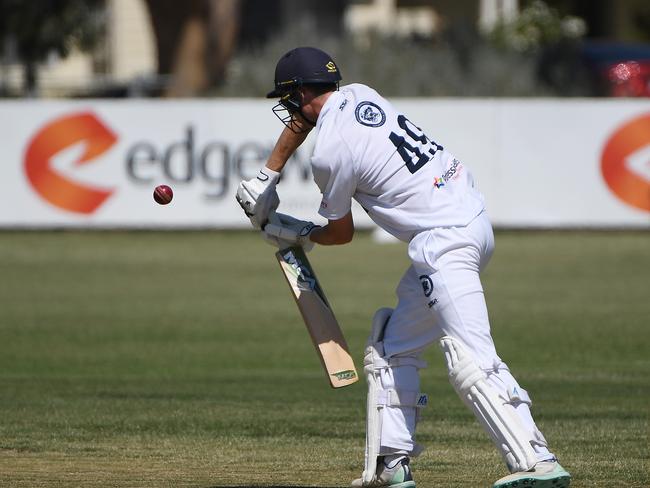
(540, 163)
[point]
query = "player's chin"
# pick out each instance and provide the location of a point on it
(299, 123)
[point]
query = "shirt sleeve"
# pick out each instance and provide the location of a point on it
(333, 168)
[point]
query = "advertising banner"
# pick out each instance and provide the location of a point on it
(95, 164)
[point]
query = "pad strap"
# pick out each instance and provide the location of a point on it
(396, 362)
(395, 398)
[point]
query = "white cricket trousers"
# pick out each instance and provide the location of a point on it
(441, 294)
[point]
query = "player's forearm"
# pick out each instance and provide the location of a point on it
(285, 146)
(325, 237)
(335, 232)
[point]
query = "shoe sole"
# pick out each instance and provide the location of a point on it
(559, 482)
(405, 484)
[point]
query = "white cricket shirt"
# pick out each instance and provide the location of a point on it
(367, 150)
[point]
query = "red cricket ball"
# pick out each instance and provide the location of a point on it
(163, 194)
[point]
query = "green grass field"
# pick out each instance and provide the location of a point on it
(180, 360)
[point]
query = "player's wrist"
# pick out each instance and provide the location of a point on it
(307, 232)
(314, 234)
(268, 176)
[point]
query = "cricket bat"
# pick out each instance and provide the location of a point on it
(319, 318)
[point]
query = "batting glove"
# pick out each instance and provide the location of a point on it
(258, 197)
(285, 231)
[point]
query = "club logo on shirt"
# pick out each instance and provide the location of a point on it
(427, 285)
(370, 114)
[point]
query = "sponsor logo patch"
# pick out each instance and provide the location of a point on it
(370, 114)
(348, 374)
(451, 173)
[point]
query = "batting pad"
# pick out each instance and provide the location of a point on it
(380, 396)
(495, 414)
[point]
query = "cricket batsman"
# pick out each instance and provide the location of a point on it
(415, 189)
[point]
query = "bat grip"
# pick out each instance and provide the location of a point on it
(273, 219)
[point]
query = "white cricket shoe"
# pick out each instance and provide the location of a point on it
(545, 474)
(399, 476)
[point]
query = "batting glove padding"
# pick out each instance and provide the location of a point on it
(258, 196)
(285, 231)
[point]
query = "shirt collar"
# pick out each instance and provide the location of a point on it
(331, 102)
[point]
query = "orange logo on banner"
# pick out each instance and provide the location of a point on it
(631, 187)
(52, 139)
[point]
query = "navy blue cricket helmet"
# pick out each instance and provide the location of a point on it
(303, 66)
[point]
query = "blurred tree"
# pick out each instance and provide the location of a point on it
(537, 26)
(553, 39)
(195, 40)
(40, 29)
(619, 21)
(262, 20)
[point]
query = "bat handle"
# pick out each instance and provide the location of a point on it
(273, 219)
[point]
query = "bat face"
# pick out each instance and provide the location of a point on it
(321, 323)
(301, 271)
